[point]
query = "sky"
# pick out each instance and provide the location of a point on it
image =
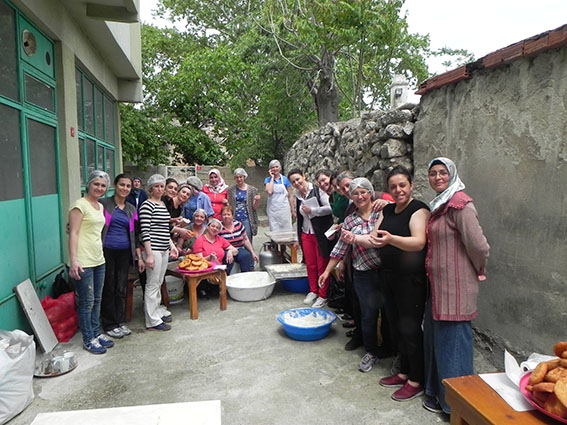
(479, 26)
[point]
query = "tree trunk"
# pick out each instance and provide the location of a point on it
(324, 91)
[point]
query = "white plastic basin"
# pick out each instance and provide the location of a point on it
(250, 286)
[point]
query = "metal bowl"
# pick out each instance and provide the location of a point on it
(250, 286)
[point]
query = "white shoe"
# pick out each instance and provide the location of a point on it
(125, 330)
(311, 296)
(320, 303)
(115, 333)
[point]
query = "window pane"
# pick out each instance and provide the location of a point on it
(43, 165)
(12, 186)
(99, 114)
(89, 109)
(110, 163)
(82, 160)
(100, 158)
(109, 120)
(8, 67)
(78, 86)
(39, 93)
(90, 156)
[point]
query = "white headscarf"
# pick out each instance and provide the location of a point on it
(455, 183)
(219, 188)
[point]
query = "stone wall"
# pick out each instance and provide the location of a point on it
(369, 146)
(506, 130)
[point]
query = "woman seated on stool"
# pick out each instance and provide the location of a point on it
(214, 247)
(233, 231)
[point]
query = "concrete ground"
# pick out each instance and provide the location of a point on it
(240, 356)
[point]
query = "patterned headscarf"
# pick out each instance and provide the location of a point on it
(221, 186)
(455, 183)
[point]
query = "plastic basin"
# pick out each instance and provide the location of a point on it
(250, 286)
(306, 324)
(296, 285)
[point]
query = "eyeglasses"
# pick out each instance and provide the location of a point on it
(360, 194)
(441, 173)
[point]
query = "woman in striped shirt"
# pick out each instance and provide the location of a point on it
(154, 230)
(235, 233)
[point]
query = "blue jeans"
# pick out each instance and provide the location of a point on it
(248, 228)
(244, 260)
(448, 353)
(368, 287)
(89, 294)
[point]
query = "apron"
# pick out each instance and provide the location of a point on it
(279, 213)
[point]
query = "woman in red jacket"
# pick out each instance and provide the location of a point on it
(456, 259)
(216, 190)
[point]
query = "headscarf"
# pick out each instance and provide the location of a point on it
(240, 172)
(455, 183)
(219, 188)
(363, 183)
(98, 174)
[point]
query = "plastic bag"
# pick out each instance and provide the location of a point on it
(62, 315)
(61, 286)
(17, 361)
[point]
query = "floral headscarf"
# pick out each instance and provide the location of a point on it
(219, 188)
(455, 183)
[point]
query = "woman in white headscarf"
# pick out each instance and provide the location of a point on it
(456, 259)
(216, 190)
(280, 208)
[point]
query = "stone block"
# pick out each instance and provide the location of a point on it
(393, 148)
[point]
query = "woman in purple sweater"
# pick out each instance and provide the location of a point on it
(456, 259)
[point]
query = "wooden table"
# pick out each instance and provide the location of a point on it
(193, 280)
(474, 402)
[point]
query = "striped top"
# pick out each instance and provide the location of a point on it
(236, 237)
(154, 225)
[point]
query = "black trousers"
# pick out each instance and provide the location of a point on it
(113, 306)
(405, 304)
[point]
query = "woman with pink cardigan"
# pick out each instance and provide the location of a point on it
(455, 262)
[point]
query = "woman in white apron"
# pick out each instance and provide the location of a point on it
(280, 199)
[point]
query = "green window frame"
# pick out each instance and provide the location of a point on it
(96, 117)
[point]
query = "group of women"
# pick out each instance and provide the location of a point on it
(419, 266)
(108, 234)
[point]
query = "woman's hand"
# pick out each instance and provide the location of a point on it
(141, 266)
(341, 271)
(150, 262)
(347, 236)
(176, 221)
(321, 281)
(379, 204)
(255, 257)
(229, 257)
(380, 238)
(75, 269)
(183, 233)
(306, 209)
(293, 214)
(225, 201)
(174, 252)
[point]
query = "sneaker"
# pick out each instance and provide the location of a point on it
(431, 404)
(105, 342)
(309, 298)
(94, 347)
(367, 362)
(115, 333)
(125, 330)
(407, 392)
(393, 381)
(166, 319)
(396, 365)
(160, 327)
(320, 302)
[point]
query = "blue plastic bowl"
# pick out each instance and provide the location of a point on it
(306, 333)
(296, 285)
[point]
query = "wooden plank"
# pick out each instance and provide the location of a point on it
(36, 316)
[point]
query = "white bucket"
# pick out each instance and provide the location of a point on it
(174, 289)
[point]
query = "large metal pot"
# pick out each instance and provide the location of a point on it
(269, 254)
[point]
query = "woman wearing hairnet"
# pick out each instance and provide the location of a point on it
(280, 199)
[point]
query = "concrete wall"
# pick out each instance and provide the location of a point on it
(506, 130)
